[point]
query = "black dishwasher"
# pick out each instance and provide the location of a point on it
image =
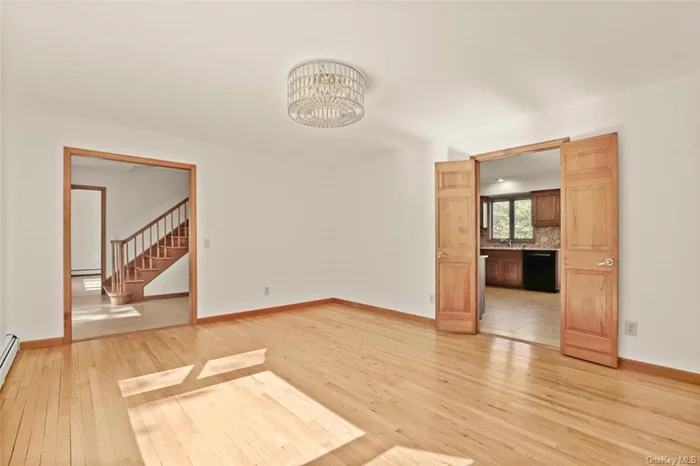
(540, 270)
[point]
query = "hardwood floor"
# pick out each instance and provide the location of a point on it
(93, 315)
(332, 385)
(527, 315)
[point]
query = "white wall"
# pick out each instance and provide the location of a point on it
(362, 228)
(267, 218)
(385, 234)
(522, 184)
(175, 279)
(659, 163)
(86, 225)
(387, 248)
(134, 198)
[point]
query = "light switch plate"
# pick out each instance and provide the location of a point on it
(207, 243)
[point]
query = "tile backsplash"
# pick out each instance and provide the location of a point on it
(545, 238)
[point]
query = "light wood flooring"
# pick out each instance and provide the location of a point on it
(94, 316)
(332, 385)
(527, 315)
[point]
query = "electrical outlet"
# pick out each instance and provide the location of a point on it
(267, 291)
(207, 243)
(631, 328)
(432, 298)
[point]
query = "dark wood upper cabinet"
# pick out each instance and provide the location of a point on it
(546, 208)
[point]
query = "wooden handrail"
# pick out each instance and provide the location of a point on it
(158, 219)
(122, 263)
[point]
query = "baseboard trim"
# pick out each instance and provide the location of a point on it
(153, 297)
(385, 311)
(663, 371)
(45, 343)
(624, 364)
(263, 311)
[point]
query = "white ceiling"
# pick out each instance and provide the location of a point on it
(543, 164)
(216, 71)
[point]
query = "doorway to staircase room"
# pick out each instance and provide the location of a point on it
(89, 250)
(147, 274)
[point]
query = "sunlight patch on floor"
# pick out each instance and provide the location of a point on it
(102, 313)
(411, 457)
(155, 381)
(92, 284)
(255, 419)
(233, 363)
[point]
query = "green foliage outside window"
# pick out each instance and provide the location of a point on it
(501, 219)
(519, 211)
(523, 219)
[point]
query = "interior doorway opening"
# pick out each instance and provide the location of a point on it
(520, 242)
(89, 239)
(588, 212)
(146, 276)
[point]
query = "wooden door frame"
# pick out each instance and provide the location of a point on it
(519, 150)
(103, 227)
(510, 152)
(68, 153)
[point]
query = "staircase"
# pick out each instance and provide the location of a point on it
(143, 256)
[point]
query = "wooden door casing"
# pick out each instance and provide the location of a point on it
(589, 196)
(456, 238)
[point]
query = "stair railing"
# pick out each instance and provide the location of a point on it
(138, 250)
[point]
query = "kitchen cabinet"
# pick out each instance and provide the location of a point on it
(512, 271)
(504, 267)
(546, 208)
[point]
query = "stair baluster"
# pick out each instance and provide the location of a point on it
(114, 275)
(138, 273)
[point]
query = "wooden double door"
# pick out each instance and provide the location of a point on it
(589, 247)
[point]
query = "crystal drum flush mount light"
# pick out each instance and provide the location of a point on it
(325, 94)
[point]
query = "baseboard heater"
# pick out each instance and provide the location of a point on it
(8, 352)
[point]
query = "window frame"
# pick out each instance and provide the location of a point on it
(511, 213)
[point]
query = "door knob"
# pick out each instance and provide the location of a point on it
(609, 262)
(441, 255)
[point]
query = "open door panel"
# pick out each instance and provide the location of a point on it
(456, 241)
(589, 232)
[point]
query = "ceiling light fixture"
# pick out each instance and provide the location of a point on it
(325, 94)
(500, 180)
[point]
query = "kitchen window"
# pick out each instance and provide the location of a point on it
(511, 219)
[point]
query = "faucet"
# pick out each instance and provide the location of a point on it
(509, 242)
